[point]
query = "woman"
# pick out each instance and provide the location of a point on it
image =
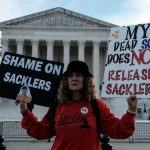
(74, 110)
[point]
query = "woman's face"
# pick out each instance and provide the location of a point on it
(75, 81)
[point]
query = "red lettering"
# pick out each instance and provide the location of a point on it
(130, 75)
(123, 75)
(134, 56)
(115, 90)
(136, 75)
(142, 56)
(141, 89)
(147, 89)
(139, 58)
(144, 74)
(118, 75)
(109, 90)
(122, 89)
(110, 75)
(128, 87)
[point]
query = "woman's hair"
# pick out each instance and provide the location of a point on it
(88, 91)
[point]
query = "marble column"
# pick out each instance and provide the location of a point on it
(106, 50)
(81, 50)
(96, 65)
(20, 46)
(35, 48)
(50, 45)
(4, 46)
(66, 54)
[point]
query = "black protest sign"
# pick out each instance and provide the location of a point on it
(40, 76)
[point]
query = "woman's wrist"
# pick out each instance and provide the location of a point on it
(24, 111)
(130, 111)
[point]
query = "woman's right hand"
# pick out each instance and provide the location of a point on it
(23, 103)
(23, 106)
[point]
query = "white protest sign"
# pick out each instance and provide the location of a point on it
(127, 69)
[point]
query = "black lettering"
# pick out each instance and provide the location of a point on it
(133, 34)
(144, 30)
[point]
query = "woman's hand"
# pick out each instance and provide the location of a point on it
(132, 104)
(25, 98)
(23, 106)
(23, 102)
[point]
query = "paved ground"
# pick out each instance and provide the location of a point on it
(46, 146)
(131, 146)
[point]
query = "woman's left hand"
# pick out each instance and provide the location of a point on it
(132, 104)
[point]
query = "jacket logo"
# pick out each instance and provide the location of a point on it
(84, 110)
(64, 119)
